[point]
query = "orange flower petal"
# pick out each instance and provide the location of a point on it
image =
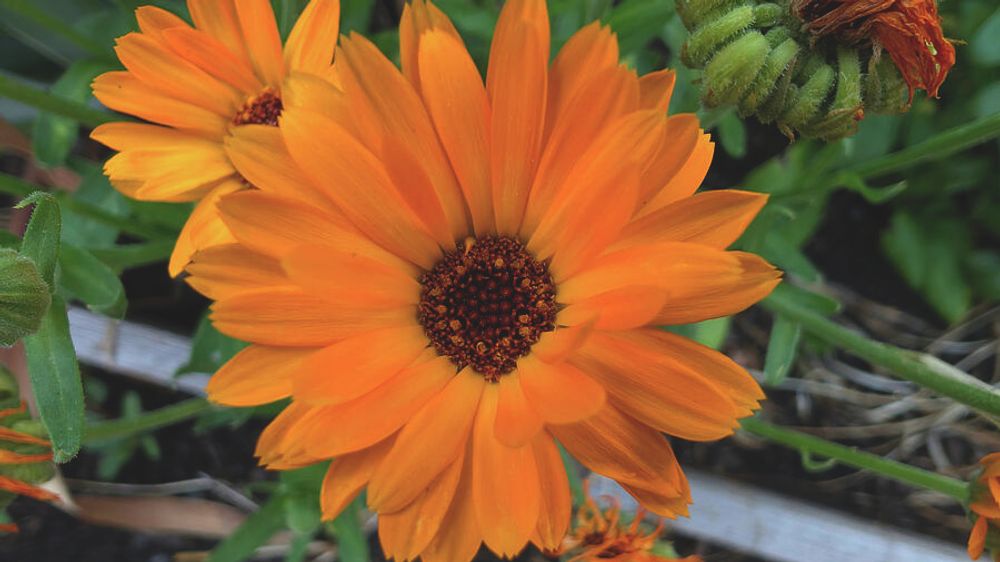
(8, 434)
(260, 35)
(347, 475)
(10, 457)
(560, 393)
(218, 19)
(977, 538)
(620, 309)
(686, 179)
(203, 229)
(517, 423)
(210, 55)
(124, 92)
(432, 440)
(656, 88)
(405, 534)
(380, 413)
(279, 446)
(350, 277)
(459, 537)
(153, 21)
(357, 365)
(312, 93)
(290, 317)
(456, 99)
(680, 139)
(420, 17)
(229, 269)
(24, 489)
(505, 484)
(557, 345)
(556, 504)
(713, 218)
(256, 375)
(313, 39)
(588, 53)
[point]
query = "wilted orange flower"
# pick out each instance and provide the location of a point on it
(481, 272)
(8, 457)
(985, 505)
(910, 30)
(600, 535)
(199, 86)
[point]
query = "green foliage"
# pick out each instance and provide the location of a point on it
(24, 297)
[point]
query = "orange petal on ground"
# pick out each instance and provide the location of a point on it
(680, 138)
(977, 538)
(517, 422)
(257, 375)
(456, 99)
(460, 536)
(560, 393)
(290, 317)
(203, 229)
(405, 534)
(24, 489)
(125, 93)
(385, 104)
(153, 21)
(349, 277)
(656, 88)
(263, 43)
(556, 504)
(516, 83)
(432, 440)
(619, 447)
(170, 74)
(347, 475)
(357, 365)
(229, 269)
(311, 42)
(604, 99)
(210, 55)
(587, 54)
(505, 484)
(218, 19)
(620, 309)
(357, 424)
(686, 179)
(10, 457)
(353, 178)
(661, 390)
(712, 218)
(419, 18)
(557, 345)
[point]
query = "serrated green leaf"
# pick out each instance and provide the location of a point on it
(54, 136)
(24, 297)
(84, 277)
(256, 530)
(41, 238)
(781, 350)
(55, 380)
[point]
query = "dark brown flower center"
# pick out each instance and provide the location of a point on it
(486, 304)
(264, 109)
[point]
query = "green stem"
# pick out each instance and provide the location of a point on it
(350, 534)
(851, 456)
(30, 11)
(127, 256)
(148, 421)
(921, 368)
(937, 147)
(35, 97)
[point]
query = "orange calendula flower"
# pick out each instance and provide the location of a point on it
(11, 459)
(198, 87)
(910, 30)
(600, 535)
(985, 505)
(481, 271)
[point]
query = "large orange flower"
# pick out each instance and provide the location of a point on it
(479, 274)
(197, 86)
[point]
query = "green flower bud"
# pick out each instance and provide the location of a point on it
(24, 297)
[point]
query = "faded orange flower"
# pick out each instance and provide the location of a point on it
(199, 86)
(10, 460)
(910, 30)
(985, 506)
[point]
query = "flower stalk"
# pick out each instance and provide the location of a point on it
(44, 101)
(148, 421)
(901, 472)
(920, 368)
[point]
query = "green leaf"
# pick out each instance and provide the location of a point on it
(905, 247)
(24, 297)
(985, 273)
(946, 287)
(55, 380)
(41, 238)
(54, 136)
(95, 189)
(256, 530)
(638, 21)
(88, 279)
(789, 258)
(210, 349)
(816, 302)
(781, 350)
(355, 15)
(9, 240)
(874, 195)
(733, 135)
(984, 46)
(351, 539)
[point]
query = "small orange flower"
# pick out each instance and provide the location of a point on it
(599, 535)
(910, 30)
(985, 505)
(198, 87)
(7, 457)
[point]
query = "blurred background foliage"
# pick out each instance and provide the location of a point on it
(926, 184)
